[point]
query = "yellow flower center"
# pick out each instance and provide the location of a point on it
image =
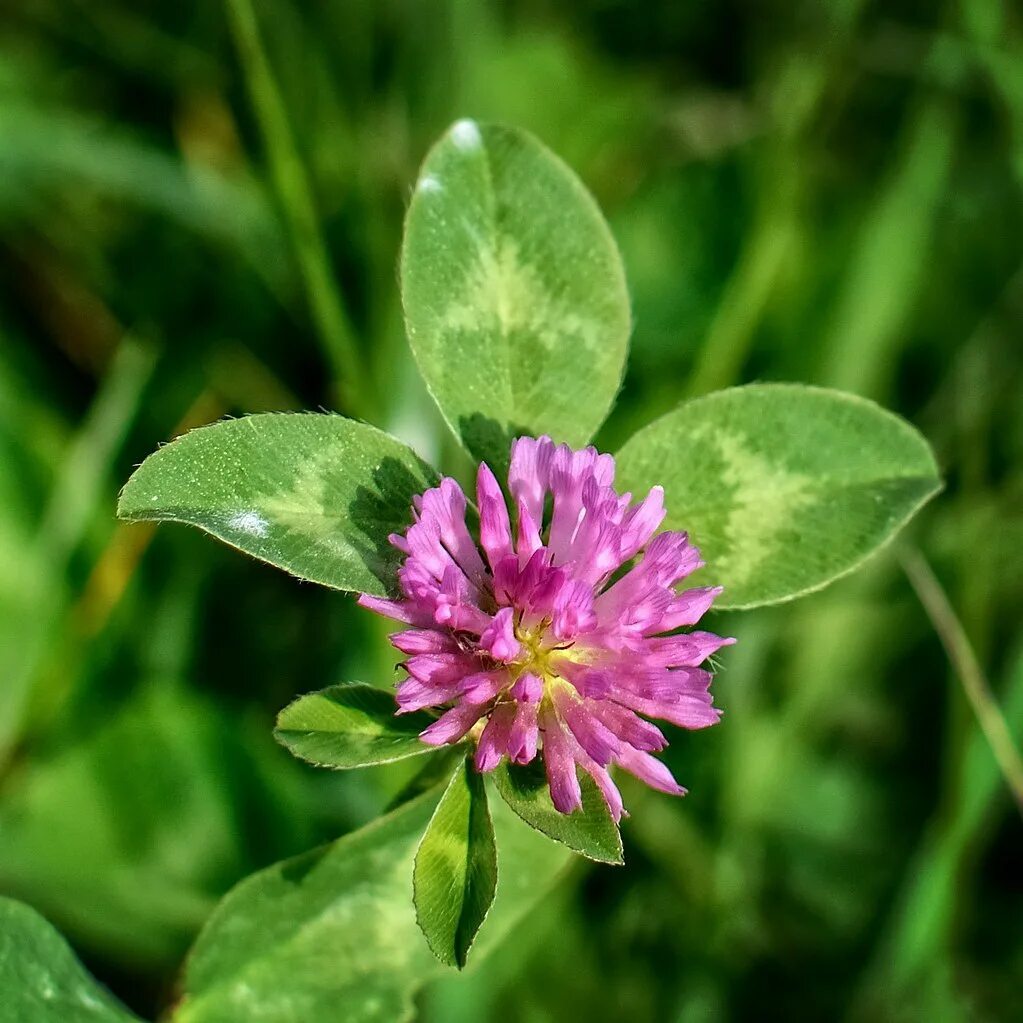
(539, 656)
(536, 657)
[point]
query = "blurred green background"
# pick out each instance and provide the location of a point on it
(827, 192)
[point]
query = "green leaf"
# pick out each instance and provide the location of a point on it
(590, 830)
(331, 935)
(350, 725)
(514, 293)
(41, 980)
(316, 495)
(435, 769)
(455, 873)
(783, 487)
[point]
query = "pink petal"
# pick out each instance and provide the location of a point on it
(414, 694)
(440, 669)
(528, 541)
(689, 711)
(593, 736)
(453, 724)
(529, 473)
(444, 510)
(493, 744)
(570, 471)
(560, 765)
(423, 641)
(483, 686)
(628, 726)
(595, 683)
(573, 610)
(525, 733)
(641, 523)
(687, 608)
(650, 770)
(528, 688)
(687, 650)
(668, 558)
(400, 610)
(499, 637)
(456, 606)
(495, 527)
(608, 789)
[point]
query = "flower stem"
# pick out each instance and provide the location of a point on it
(964, 661)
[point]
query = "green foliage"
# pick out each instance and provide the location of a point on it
(145, 807)
(332, 935)
(41, 980)
(924, 918)
(350, 725)
(589, 830)
(834, 202)
(508, 263)
(784, 488)
(48, 543)
(315, 495)
(50, 147)
(514, 294)
(327, 935)
(455, 875)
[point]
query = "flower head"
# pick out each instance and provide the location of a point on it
(533, 641)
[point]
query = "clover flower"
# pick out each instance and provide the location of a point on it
(533, 641)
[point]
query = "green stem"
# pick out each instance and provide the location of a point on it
(731, 334)
(912, 960)
(964, 661)
(76, 494)
(294, 192)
